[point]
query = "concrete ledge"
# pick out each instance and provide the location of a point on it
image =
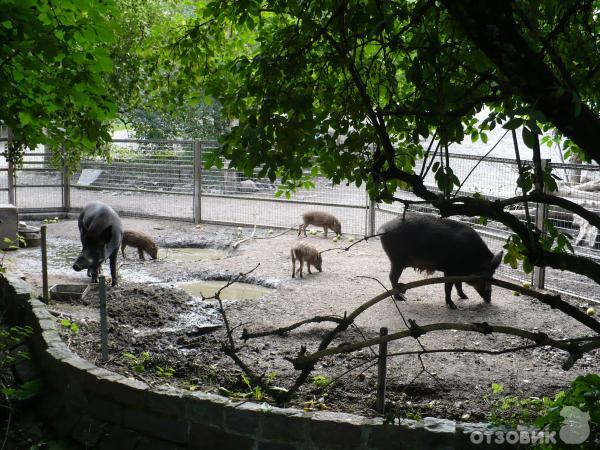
(105, 410)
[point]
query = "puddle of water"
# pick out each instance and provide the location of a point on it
(192, 254)
(237, 291)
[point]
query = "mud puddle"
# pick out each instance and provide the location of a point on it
(192, 254)
(237, 291)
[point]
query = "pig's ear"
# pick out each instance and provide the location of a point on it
(496, 260)
(106, 235)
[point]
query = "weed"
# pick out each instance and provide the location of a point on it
(165, 372)
(70, 325)
(138, 364)
(321, 382)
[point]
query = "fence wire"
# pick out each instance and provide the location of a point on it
(38, 183)
(157, 179)
(230, 197)
(144, 178)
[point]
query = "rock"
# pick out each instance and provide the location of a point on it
(248, 186)
(88, 177)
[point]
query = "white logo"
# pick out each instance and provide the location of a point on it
(575, 429)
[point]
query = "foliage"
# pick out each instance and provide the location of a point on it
(165, 372)
(545, 413)
(54, 60)
(10, 337)
(11, 245)
(255, 392)
(583, 394)
(138, 364)
(69, 325)
(321, 382)
(203, 121)
(511, 410)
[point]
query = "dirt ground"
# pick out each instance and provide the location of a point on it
(182, 336)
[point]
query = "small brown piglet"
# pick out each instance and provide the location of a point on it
(140, 241)
(321, 219)
(305, 253)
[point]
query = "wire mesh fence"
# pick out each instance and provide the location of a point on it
(230, 197)
(581, 185)
(38, 182)
(144, 178)
(167, 179)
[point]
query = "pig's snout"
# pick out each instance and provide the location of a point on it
(81, 263)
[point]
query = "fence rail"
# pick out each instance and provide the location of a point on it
(167, 179)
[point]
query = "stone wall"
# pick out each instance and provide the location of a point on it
(104, 410)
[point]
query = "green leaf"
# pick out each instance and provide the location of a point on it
(529, 137)
(25, 118)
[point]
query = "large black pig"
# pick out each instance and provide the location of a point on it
(430, 243)
(101, 233)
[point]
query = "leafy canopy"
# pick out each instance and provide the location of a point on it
(300, 76)
(54, 61)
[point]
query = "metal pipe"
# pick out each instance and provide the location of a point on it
(43, 232)
(381, 372)
(103, 319)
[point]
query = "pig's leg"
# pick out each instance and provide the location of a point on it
(460, 291)
(293, 264)
(448, 289)
(141, 253)
(325, 230)
(113, 267)
(395, 274)
(308, 267)
(301, 267)
(123, 250)
(93, 272)
(300, 229)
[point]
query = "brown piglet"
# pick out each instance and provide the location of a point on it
(140, 241)
(321, 219)
(305, 253)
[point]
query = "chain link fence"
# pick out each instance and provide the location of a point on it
(167, 179)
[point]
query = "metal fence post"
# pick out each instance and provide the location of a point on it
(197, 182)
(541, 214)
(371, 213)
(66, 179)
(12, 198)
(103, 317)
(44, 244)
(381, 372)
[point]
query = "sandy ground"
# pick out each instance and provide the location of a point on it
(147, 313)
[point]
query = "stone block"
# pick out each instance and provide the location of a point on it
(336, 430)
(276, 446)
(205, 409)
(243, 418)
(118, 438)
(156, 425)
(104, 409)
(123, 390)
(203, 437)
(284, 425)
(9, 225)
(166, 400)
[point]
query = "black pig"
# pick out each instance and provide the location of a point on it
(430, 243)
(101, 233)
